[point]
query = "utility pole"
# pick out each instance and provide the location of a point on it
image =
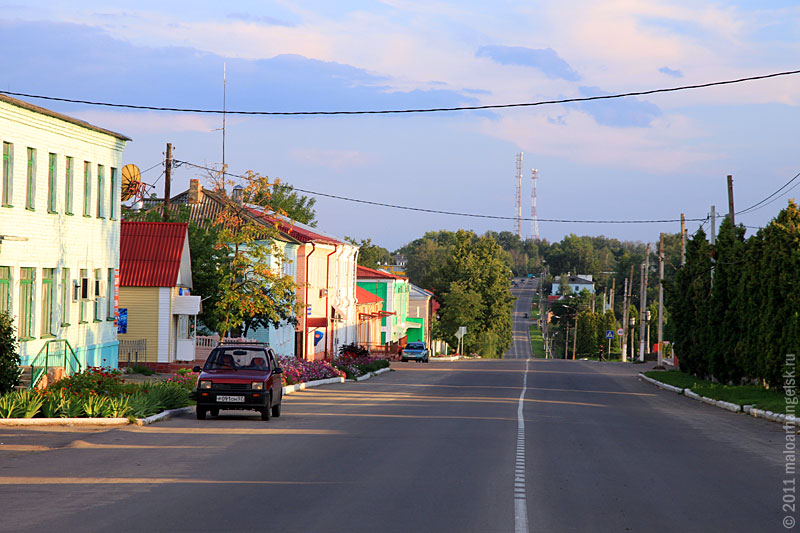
(730, 200)
(167, 181)
(224, 114)
(611, 297)
(683, 239)
(713, 225)
(566, 340)
(625, 322)
(643, 304)
(575, 335)
(660, 299)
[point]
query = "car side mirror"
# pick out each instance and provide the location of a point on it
(197, 369)
(278, 371)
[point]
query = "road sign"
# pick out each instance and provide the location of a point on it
(609, 334)
(620, 332)
(461, 331)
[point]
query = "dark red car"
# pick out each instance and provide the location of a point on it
(240, 376)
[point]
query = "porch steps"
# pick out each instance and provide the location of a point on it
(25, 378)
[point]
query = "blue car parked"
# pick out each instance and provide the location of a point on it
(416, 351)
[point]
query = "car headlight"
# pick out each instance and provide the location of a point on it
(205, 384)
(257, 385)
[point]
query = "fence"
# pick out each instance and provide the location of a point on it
(133, 351)
(204, 344)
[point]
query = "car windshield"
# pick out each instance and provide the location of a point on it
(236, 359)
(415, 346)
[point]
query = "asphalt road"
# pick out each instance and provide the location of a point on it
(429, 447)
(523, 292)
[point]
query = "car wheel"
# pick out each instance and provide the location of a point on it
(201, 413)
(404, 360)
(276, 410)
(214, 412)
(265, 412)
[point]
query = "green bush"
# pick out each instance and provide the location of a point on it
(140, 369)
(9, 357)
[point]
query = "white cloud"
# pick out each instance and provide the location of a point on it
(574, 135)
(147, 122)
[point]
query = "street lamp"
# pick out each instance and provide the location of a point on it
(633, 349)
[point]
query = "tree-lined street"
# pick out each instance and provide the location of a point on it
(424, 448)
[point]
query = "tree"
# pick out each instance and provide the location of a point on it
(252, 288)
(282, 199)
(370, 255)
(9, 357)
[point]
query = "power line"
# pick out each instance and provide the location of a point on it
(758, 205)
(400, 111)
(453, 213)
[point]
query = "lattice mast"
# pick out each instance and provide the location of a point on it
(534, 214)
(518, 219)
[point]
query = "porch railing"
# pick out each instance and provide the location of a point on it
(54, 351)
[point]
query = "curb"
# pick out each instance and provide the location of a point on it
(734, 408)
(370, 374)
(64, 422)
(451, 358)
(163, 415)
(288, 389)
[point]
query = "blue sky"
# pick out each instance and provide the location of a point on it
(634, 158)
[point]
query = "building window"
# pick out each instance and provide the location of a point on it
(8, 173)
(65, 296)
(47, 301)
(68, 187)
(111, 291)
(84, 296)
(27, 276)
(5, 290)
(87, 189)
(30, 195)
(113, 194)
(100, 187)
(98, 298)
(51, 183)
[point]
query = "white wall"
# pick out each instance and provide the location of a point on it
(38, 239)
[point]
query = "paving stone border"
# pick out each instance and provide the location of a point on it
(735, 408)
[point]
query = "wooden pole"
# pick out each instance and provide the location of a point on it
(730, 200)
(167, 181)
(624, 339)
(575, 336)
(683, 239)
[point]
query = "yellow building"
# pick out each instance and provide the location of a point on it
(157, 313)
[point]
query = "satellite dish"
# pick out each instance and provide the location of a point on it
(131, 181)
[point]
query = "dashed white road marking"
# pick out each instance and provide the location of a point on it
(520, 499)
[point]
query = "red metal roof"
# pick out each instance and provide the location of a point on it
(363, 296)
(150, 253)
(371, 273)
(293, 230)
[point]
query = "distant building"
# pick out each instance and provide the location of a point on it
(154, 293)
(394, 291)
(420, 312)
(59, 232)
(577, 283)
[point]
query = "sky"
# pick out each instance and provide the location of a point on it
(642, 158)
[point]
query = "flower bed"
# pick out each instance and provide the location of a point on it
(354, 365)
(99, 393)
(299, 370)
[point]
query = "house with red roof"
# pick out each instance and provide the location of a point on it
(394, 291)
(323, 267)
(157, 311)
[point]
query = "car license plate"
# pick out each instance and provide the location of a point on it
(230, 399)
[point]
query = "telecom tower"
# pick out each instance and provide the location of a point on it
(534, 214)
(518, 220)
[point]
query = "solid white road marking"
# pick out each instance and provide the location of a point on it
(520, 501)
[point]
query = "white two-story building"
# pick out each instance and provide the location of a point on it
(59, 232)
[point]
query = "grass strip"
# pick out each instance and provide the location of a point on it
(537, 342)
(768, 399)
